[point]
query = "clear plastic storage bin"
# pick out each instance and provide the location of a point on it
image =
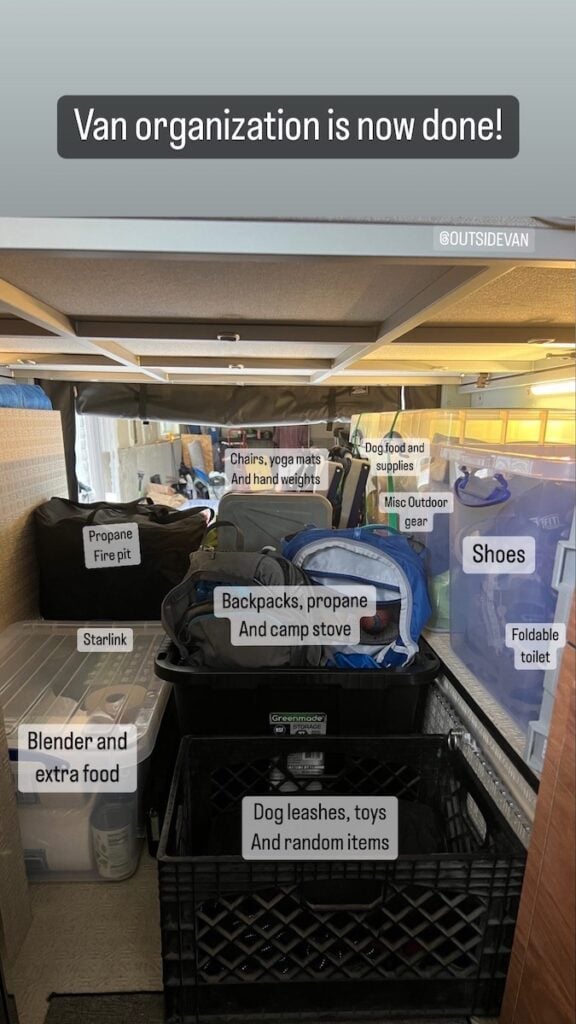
(510, 490)
(45, 679)
(528, 434)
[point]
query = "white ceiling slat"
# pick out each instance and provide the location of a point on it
(216, 362)
(121, 355)
(34, 311)
(462, 365)
(392, 378)
(159, 362)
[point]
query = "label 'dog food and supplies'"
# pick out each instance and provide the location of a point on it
(397, 456)
(313, 827)
(110, 547)
(298, 615)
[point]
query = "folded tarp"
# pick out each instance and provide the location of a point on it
(23, 396)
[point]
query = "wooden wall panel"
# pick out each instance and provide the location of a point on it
(541, 987)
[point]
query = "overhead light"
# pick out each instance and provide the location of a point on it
(555, 387)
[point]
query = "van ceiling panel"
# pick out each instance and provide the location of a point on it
(527, 295)
(314, 290)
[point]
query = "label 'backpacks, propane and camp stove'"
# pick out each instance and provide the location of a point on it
(370, 556)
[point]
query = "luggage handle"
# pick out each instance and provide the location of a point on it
(470, 787)
(96, 506)
(225, 523)
(352, 894)
(498, 495)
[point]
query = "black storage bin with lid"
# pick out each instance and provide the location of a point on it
(213, 702)
(330, 940)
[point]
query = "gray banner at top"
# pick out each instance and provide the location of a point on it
(331, 127)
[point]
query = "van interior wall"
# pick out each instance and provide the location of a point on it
(514, 396)
(32, 469)
(518, 397)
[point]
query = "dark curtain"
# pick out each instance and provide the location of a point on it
(224, 405)
(221, 405)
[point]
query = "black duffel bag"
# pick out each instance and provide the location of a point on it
(69, 590)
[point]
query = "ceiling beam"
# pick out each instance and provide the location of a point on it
(454, 285)
(124, 357)
(491, 334)
(47, 359)
(341, 333)
(395, 377)
(160, 362)
(133, 376)
(34, 311)
(112, 374)
(183, 330)
(15, 327)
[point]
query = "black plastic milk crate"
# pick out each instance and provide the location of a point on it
(276, 940)
(214, 702)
